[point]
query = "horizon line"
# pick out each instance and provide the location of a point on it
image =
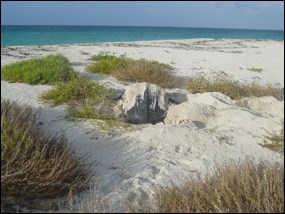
(139, 26)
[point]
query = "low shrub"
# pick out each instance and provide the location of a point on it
(85, 99)
(236, 187)
(128, 69)
(142, 71)
(77, 90)
(36, 164)
(46, 70)
(106, 64)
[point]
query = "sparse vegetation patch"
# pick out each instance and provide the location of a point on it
(277, 140)
(232, 88)
(85, 99)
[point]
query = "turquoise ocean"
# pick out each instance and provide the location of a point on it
(50, 35)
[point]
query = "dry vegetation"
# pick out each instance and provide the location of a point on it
(234, 188)
(232, 88)
(141, 71)
(127, 69)
(36, 164)
(277, 141)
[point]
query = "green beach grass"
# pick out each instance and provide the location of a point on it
(85, 99)
(126, 69)
(106, 64)
(46, 70)
(76, 90)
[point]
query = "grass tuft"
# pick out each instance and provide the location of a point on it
(78, 90)
(142, 71)
(235, 187)
(84, 53)
(46, 70)
(106, 64)
(277, 141)
(88, 110)
(232, 88)
(128, 69)
(254, 69)
(36, 164)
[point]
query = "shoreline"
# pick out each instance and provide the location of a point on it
(140, 41)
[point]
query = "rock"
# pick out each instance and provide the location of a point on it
(177, 95)
(135, 103)
(145, 103)
(189, 112)
(116, 94)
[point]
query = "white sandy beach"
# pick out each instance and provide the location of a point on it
(134, 161)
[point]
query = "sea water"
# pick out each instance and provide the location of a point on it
(50, 35)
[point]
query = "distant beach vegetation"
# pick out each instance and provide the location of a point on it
(235, 89)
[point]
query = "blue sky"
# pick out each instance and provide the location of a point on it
(234, 14)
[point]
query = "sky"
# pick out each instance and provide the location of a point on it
(215, 14)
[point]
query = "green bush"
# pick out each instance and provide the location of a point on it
(85, 99)
(106, 64)
(47, 70)
(77, 90)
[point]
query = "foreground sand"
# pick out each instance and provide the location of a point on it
(132, 162)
